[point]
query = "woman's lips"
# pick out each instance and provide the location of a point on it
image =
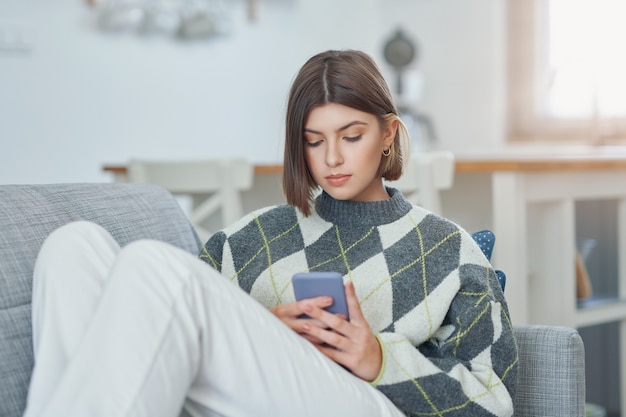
(337, 180)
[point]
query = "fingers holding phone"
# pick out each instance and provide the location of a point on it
(291, 315)
(351, 344)
(318, 290)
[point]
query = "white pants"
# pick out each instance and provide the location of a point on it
(150, 330)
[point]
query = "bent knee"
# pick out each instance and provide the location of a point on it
(72, 238)
(146, 254)
(153, 264)
(154, 261)
(73, 230)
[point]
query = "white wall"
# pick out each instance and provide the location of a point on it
(463, 61)
(79, 98)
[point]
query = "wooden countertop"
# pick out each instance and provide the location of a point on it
(530, 165)
(542, 158)
(526, 159)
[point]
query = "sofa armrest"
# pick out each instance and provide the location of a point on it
(551, 376)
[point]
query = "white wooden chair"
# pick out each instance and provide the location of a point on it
(214, 184)
(426, 174)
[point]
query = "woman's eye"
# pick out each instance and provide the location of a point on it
(353, 138)
(313, 144)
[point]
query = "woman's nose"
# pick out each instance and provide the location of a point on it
(333, 156)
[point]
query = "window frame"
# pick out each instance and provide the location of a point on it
(527, 71)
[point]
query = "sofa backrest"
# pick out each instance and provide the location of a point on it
(28, 213)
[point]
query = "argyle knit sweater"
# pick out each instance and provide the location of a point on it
(424, 286)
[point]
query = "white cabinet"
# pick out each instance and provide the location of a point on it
(533, 215)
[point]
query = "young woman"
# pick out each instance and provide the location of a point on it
(149, 330)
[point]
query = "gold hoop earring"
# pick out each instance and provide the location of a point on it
(387, 152)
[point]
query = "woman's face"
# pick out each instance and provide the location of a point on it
(343, 150)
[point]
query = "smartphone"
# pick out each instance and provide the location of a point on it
(316, 284)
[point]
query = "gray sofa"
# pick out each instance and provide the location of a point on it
(551, 379)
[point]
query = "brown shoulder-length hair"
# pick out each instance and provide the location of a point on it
(350, 78)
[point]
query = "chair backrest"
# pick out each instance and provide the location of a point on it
(218, 182)
(426, 174)
(189, 177)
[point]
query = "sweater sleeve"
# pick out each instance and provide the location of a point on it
(212, 250)
(467, 363)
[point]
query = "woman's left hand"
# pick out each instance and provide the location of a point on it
(349, 343)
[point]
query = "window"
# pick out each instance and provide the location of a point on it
(567, 70)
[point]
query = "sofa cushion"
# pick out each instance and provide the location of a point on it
(28, 213)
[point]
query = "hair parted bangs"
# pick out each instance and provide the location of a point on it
(350, 78)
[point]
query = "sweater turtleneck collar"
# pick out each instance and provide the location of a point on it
(371, 213)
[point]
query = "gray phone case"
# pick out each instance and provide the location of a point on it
(315, 284)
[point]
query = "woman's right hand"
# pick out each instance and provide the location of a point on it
(290, 314)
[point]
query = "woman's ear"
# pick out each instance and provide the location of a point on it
(390, 131)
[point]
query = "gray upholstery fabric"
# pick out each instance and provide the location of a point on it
(551, 378)
(28, 213)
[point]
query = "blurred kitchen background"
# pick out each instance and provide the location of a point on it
(74, 94)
